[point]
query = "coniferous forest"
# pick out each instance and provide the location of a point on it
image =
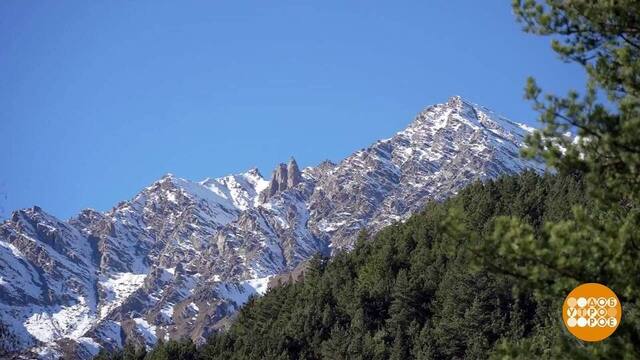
(484, 274)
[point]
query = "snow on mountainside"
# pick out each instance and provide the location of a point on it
(181, 256)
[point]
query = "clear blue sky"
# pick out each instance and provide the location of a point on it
(100, 98)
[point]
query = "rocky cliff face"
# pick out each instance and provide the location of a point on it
(181, 256)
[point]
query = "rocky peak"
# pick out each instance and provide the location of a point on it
(254, 172)
(456, 101)
(326, 164)
(293, 173)
(285, 176)
(278, 180)
(86, 218)
(319, 170)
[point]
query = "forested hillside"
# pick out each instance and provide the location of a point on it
(415, 289)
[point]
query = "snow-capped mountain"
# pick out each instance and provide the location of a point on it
(181, 256)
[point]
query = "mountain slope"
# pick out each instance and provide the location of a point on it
(181, 256)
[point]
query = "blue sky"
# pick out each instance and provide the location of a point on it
(100, 98)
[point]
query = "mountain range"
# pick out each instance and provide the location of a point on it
(181, 256)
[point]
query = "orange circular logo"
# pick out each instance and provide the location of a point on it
(591, 312)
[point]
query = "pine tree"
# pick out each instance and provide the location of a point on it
(400, 348)
(401, 311)
(132, 352)
(599, 242)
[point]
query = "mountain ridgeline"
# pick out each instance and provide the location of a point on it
(181, 257)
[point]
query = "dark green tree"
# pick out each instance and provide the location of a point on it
(132, 352)
(183, 349)
(401, 310)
